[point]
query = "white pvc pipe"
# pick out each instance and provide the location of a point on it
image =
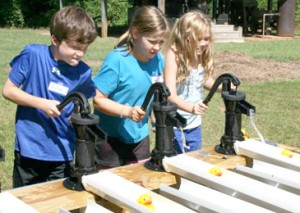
(125, 193)
(240, 186)
(283, 178)
(267, 153)
(10, 203)
(203, 199)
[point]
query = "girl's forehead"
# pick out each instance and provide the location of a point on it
(203, 33)
(156, 36)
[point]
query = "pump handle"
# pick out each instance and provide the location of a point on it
(161, 90)
(226, 79)
(79, 99)
(2, 154)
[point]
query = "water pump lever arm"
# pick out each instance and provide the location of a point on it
(79, 99)
(2, 154)
(225, 78)
(175, 119)
(161, 91)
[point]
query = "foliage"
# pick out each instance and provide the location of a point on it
(11, 14)
(116, 10)
(37, 13)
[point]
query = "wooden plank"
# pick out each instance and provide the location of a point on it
(142, 176)
(209, 155)
(50, 196)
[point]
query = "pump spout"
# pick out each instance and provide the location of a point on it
(226, 79)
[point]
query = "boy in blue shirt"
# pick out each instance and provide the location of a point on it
(40, 78)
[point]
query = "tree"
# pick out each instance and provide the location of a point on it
(103, 19)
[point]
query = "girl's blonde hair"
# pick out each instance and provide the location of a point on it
(184, 38)
(148, 20)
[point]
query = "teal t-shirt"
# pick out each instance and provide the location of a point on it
(126, 80)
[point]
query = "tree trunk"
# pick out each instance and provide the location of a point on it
(103, 19)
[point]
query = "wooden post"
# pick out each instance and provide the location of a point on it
(103, 19)
(161, 5)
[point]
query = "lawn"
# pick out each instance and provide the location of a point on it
(277, 102)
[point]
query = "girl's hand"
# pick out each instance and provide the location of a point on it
(199, 108)
(137, 114)
(134, 113)
(232, 87)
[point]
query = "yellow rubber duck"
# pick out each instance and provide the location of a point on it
(287, 153)
(245, 135)
(216, 171)
(146, 200)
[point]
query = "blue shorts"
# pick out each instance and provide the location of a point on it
(193, 139)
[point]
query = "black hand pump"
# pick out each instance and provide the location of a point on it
(235, 105)
(87, 133)
(166, 118)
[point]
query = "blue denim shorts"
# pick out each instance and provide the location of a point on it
(193, 139)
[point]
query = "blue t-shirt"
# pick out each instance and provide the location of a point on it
(126, 80)
(37, 73)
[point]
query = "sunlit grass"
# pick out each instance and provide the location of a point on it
(277, 103)
(283, 50)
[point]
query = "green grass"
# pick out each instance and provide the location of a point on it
(277, 112)
(277, 103)
(277, 50)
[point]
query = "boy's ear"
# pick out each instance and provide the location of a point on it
(54, 41)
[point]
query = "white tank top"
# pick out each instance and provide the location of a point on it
(191, 90)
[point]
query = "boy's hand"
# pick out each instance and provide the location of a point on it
(50, 108)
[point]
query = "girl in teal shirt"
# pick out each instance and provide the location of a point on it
(122, 83)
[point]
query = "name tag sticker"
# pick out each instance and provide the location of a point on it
(157, 78)
(58, 88)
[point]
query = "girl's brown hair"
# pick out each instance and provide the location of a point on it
(148, 20)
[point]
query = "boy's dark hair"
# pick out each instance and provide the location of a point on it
(73, 24)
